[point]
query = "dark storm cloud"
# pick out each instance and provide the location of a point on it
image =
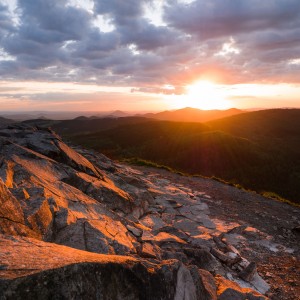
(245, 40)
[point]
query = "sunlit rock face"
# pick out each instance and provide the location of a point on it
(75, 224)
(62, 196)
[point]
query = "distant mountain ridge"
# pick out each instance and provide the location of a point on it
(181, 115)
(189, 114)
(258, 150)
(63, 115)
(117, 114)
(5, 121)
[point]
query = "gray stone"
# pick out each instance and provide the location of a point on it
(185, 288)
(204, 260)
(135, 231)
(189, 226)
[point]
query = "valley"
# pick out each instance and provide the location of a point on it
(256, 150)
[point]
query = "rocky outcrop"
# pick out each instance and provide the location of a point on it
(75, 224)
(32, 269)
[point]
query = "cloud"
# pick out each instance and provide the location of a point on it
(166, 90)
(122, 12)
(211, 19)
(54, 19)
(265, 34)
(60, 101)
(6, 25)
(232, 41)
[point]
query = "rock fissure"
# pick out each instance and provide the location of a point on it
(10, 220)
(84, 236)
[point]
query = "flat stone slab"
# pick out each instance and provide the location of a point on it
(153, 221)
(189, 226)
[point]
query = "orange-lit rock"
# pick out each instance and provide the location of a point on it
(74, 223)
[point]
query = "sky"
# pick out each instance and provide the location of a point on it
(149, 55)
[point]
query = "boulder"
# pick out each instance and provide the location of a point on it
(50, 271)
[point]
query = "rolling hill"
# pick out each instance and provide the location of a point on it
(189, 114)
(258, 150)
(85, 125)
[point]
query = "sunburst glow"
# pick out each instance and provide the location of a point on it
(206, 95)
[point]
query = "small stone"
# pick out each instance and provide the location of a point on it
(135, 231)
(148, 251)
(147, 236)
(248, 273)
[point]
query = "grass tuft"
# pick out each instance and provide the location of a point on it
(147, 163)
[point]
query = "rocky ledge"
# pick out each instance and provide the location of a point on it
(76, 225)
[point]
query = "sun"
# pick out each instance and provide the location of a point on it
(205, 95)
